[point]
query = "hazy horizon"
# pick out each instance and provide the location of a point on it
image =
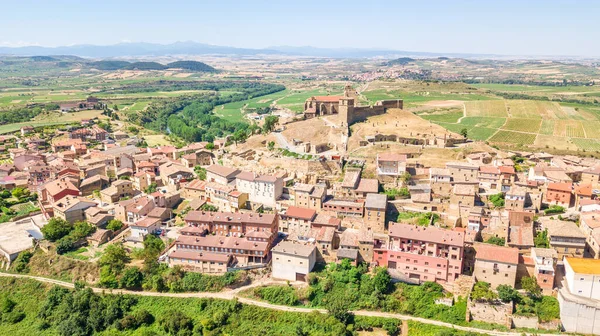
(549, 28)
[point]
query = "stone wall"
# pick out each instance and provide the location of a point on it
(530, 322)
(498, 313)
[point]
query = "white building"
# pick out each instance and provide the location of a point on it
(583, 277)
(293, 261)
(579, 298)
(391, 164)
(141, 228)
(263, 189)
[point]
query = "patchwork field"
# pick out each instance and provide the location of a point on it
(531, 123)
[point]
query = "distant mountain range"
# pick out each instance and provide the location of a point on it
(195, 48)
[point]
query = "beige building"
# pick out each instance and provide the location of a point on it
(309, 196)
(72, 209)
(375, 207)
(118, 190)
(201, 262)
(496, 265)
(566, 238)
(293, 261)
(463, 171)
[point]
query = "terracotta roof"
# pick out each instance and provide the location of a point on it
(489, 170)
(201, 216)
(196, 185)
(507, 169)
(591, 219)
(565, 186)
(56, 186)
(200, 256)
(427, 233)
(391, 157)
(147, 222)
(223, 242)
(324, 219)
(490, 252)
(368, 186)
(584, 189)
(222, 170)
(302, 213)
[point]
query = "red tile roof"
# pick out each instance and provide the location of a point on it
(584, 189)
(391, 157)
(490, 252)
(563, 186)
(427, 233)
(302, 213)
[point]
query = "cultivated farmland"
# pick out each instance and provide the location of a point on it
(486, 108)
(523, 125)
(513, 137)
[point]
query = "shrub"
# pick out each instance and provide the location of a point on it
(282, 295)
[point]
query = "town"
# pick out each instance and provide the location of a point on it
(478, 226)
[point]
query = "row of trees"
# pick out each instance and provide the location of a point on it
(191, 117)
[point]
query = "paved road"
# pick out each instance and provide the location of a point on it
(231, 294)
(282, 141)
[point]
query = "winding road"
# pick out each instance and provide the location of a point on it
(234, 294)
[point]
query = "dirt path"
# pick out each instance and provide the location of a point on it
(231, 294)
(464, 113)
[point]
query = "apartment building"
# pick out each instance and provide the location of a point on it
(422, 253)
(262, 189)
(247, 237)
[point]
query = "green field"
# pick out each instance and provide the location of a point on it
(523, 125)
(513, 137)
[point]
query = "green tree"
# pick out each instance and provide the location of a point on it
(132, 278)
(496, 241)
(541, 239)
(482, 292)
(338, 305)
(56, 229)
(82, 229)
(210, 146)
(497, 200)
(271, 145)
(114, 225)
(151, 188)
(200, 172)
(382, 280)
(507, 293)
(174, 322)
(20, 193)
(269, 124)
(209, 207)
(239, 136)
(463, 132)
(531, 286)
(114, 257)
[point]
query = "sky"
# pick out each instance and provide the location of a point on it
(507, 27)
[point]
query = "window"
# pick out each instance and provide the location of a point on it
(426, 263)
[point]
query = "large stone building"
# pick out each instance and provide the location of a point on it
(345, 106)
